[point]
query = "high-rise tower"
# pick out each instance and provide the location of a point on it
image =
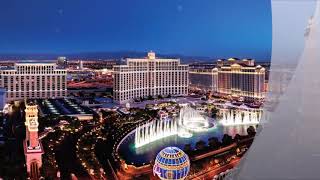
(150, 76)
(33, 80)
(32, 146)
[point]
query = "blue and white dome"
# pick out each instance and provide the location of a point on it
(171, 164)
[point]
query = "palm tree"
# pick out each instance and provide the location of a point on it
(150, 97)
(214, 143)
(251, 131)
(226, 140)
(237, 137)
(200, 145)
(187, 148)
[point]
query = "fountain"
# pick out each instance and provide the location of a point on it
(153, 131)
(189, 121)
(232, 117)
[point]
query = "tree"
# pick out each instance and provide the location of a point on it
(214, 143)
(81, 94)
(105, 94)
(93, 95)
(251, 131)
(200, 145)
(226, 140)
(187, 148)
(150, 97)
(237, 137)
(137, 100)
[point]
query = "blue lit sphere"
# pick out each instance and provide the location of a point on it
(171, 164)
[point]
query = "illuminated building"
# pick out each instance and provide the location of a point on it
(204, 79)
(149, 76)
(92, 64)
(80, 64)
(171, 163)
(32, 146)
(241, 80)
(2, 98)
(33, 80)
(62, 62)
(230, 61)
(236, 78)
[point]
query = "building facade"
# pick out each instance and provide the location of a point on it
(242, 81)
(235, 78)
(32, 145)
(149, 76)
(33, 81)
(2, 98)
(203, 79)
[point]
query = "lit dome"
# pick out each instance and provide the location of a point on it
(171, 163)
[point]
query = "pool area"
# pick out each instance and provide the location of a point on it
(63, 107)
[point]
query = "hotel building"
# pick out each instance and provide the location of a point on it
(149, 76)
(203, 79)
(232, 78)
(2, 98)
(33, 80)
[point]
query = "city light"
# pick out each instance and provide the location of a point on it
(90, 99)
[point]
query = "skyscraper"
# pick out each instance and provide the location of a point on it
(204, 79)
(241, 80)
(232, 77)
(33, 80)
(149, 76)
(2, 98)
(80, 64)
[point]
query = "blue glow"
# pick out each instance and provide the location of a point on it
(171, 163)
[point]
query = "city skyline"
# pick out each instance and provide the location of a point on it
(170, 89)
(211, 29)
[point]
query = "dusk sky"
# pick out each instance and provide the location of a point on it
(213, 28)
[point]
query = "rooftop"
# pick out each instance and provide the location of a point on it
(62, 107)
(35, 62)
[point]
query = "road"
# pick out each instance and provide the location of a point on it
(212, 171)
(211, 153)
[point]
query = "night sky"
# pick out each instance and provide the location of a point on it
(213, 28)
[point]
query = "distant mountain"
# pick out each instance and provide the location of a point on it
(27, 56)
(100, 55)
(93, 56)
